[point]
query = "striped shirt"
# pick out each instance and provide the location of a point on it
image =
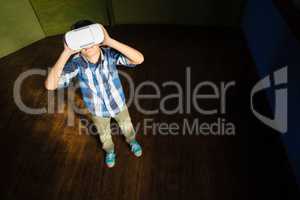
(100, 84)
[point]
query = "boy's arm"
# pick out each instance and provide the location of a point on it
(134, 56)
(54, 75)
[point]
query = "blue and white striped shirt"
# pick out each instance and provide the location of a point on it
(100, 84)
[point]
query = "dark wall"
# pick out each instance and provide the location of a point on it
(42, 18)
(19, 26)
(56, 16)
(196, 12)
(274, 46)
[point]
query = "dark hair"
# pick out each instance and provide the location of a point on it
(81, 23)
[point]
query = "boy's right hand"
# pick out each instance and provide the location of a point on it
(52, 80)
(68, 50)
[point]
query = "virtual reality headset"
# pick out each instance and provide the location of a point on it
(84, 37)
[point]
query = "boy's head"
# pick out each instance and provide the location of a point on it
(91, 51)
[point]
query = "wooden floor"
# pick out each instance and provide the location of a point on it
(43, 158)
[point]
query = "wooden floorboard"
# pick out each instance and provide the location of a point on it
(43, 158)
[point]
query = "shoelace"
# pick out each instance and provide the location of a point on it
(135, 147)
(110, 156)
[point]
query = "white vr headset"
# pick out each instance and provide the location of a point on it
(84, 37)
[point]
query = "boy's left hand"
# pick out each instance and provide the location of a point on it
(133, 55)
(107, 38)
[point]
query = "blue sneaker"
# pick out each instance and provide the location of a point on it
(136, 148)
(110, 159)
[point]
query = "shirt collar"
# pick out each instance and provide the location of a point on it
(101, 56)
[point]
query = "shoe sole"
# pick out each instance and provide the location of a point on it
(110, 166)
(138, 154)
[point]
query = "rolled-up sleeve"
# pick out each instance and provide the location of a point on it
(69, 72)
(119, 58)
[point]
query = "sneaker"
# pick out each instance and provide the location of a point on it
(136, 148)
(110, 159)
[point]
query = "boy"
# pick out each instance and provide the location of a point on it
(95, 69)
